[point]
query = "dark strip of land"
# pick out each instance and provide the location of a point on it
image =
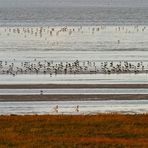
(33, 86)
(73, 97)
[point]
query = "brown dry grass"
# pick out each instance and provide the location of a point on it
(103, 130)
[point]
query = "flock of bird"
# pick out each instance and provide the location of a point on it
(76, 67)
(46, 34)
(58, 30)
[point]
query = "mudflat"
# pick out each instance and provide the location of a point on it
(32, 86)
(73, 97)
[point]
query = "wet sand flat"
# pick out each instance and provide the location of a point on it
(71, 97)
(33, 86)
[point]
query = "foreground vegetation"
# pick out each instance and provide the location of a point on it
(109, 130)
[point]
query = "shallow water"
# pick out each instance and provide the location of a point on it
(69, 107)
(76, 79)
(79, 91)
(122, 36)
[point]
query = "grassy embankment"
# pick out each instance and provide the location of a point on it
(109, 130)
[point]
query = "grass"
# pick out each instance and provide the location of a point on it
(90, 131)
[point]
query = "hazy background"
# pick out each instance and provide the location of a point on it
(73, 12)
(76, 3)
